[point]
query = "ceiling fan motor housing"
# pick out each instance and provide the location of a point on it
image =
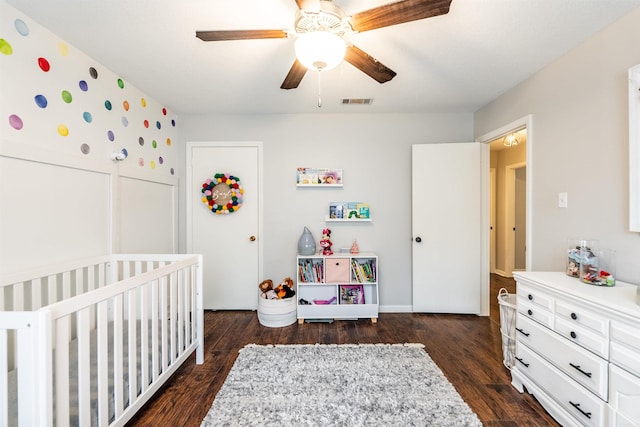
(329, 18)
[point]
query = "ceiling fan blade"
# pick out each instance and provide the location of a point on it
(398, 13)
(215, 36)
(296, 73)
(309, 5)
(368, 64)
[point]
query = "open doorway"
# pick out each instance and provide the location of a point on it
(507, 193)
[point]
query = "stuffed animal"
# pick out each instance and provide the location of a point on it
(325, 243)
(266, 286)
(285, 289)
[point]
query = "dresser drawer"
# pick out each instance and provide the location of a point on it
(337, 270)
(583, 317)
(534, 297)
(625, 346)
(583, 336)
(624, 397)
(584, 406)
(535, 312)
(583, 366)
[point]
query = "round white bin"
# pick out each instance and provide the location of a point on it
(276, 313)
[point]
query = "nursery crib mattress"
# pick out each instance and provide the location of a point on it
(73, 377)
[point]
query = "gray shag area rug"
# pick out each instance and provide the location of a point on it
(338, 385)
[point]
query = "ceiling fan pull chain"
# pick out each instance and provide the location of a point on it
(319, 97)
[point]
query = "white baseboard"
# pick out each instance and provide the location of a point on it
(503, 274)
(395, 309)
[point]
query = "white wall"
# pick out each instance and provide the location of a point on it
(61, 195)
(374, 152)
(579, 141)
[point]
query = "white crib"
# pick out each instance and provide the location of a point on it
(89, 342)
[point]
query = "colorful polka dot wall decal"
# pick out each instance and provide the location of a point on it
(66, 96)
(15, 122)
(5, 47)
(21, 27)
(152, 164)
(107, 105)
(83, 85)
(141, 161)
(93, 73)
(141, 141)
(111, 136)
(87, 117)
(41, 100)
(125, 121)
(120, 84)
(164, 111)
(143, 102)
(44, 64)
(158, 125)
(146, 123)
(172, 171)
(169, 142)
(63, 49)
(125, 105)
(160, 160)
(154, 144)
(85, 149)
(63, 130)
(173, 123)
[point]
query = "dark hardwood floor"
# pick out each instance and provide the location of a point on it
(467, 348)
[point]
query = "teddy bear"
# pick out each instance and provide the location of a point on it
(285, 289)
(266, 286)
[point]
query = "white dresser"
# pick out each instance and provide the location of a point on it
(578, 349)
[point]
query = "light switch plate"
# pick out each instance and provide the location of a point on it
(562, 200)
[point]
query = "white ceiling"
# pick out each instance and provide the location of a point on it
(452, 63)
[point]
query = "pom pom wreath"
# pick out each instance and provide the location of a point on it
(222, 194)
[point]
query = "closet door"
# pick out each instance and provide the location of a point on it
(230, 243)
(446, 227)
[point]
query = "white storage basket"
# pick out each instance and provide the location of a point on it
(276, 313)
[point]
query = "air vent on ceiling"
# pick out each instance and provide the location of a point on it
(357, 101)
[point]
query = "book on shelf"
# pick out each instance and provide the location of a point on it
(336, 210)
(351, 294)
(363, 271)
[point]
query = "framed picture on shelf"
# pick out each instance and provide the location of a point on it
(351, 294)
(319, 176)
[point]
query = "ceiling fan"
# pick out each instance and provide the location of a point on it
(322, 17)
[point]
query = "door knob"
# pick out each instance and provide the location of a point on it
(252, 238)
(418, 239)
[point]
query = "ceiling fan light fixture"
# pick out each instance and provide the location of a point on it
(320, 50)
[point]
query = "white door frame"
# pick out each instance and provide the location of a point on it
(492, 220)
(510, 217)
(521, 123)
(191, 193)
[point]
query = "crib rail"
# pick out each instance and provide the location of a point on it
(111, 346)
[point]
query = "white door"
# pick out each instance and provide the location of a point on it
(229, 243)
(446, 227)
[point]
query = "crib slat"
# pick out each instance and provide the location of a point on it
(163, 315)
(155, 361)
(66, 285)
(18, 297)
(52, 289)
(4, 379)
(144, 337)
(102, 333)
(61, 366)
(84, 368)
(132, 347)
(180, 311)
(173, 315)
(117, 355)
(79, 276)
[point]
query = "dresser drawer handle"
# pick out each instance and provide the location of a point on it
(526, 334)
(573, 335)
(577, 368)
(577, 406)
(530, 312)
(526, 365)
(574, 316)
